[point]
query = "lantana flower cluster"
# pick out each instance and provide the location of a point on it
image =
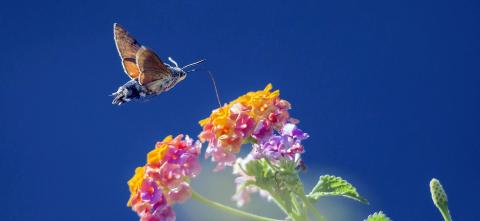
(260, 118)
(252, 116)
(164, 180)
(284, 144)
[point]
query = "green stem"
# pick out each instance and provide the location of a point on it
(278, 200)
(196, 196)
(300, 213)
(311, 207)
(280, 205)
(445, 213)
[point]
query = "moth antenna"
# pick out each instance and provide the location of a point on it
(194, 63)
(173, 61)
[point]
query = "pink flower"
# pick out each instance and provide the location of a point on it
(150, 201)
(163, 181)
(180, 193)
(254, 114)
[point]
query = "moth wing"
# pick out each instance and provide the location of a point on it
(127, 48)
(150, 66)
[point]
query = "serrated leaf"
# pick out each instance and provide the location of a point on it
(334, 186)
(378, 216)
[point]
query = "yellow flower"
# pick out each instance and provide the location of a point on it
(258, 103)
(135, 182)
(157, 154)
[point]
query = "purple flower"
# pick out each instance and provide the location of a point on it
(150, 193)
(285, 145)
(262, 130)
(293, 131)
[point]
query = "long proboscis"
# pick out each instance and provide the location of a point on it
(213, 82)
(216, 90)
(209, 74)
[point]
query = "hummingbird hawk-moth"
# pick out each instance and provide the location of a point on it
(149, 76)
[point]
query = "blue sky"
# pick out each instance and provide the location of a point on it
(388, 91)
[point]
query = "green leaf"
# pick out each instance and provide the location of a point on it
(378, 216)
(334, 186)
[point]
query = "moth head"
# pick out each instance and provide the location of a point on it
(178, 73)
(181, 74)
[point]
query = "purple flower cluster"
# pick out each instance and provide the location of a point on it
(272, 145)
(287, 144)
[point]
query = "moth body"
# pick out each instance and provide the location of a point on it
(131, 90)
(149, 75)
(159, 86)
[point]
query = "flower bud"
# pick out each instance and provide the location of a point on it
(439, 196)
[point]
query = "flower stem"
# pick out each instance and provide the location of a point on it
(445, 213)
(196, 196)
(314, 210)
(280, 205)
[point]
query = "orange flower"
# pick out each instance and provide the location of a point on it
(230, 126)
(164, 180)
(135, 182)
(157, 154)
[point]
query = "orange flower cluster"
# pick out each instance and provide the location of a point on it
(252, 115)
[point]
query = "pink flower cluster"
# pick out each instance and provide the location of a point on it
(164, 180)
(253, 115)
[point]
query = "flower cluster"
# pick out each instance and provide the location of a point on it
(164, 180)
(282, 144)
(260, 118)
(285, 144)
(253, 115)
